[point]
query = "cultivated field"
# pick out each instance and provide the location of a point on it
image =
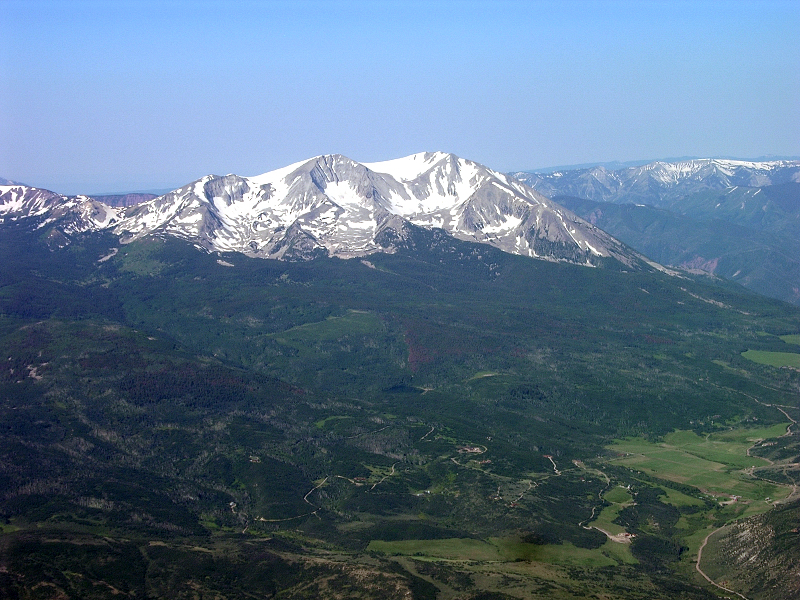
(717, 464)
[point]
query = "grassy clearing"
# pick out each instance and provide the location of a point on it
(139, 259)
(354, 323)
(323, 422)
(506, 550)
(729, 450)
(712, 464)
(8, 528)
(773, 359)
(482, 374)
(618, 495)
(619, 498)
(620, 553)
(791, 339)
(695, 540)
(567, 554)
(749, 436)
(679, 499)
(452, 549)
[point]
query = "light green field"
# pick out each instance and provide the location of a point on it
(774, 359)
(354, 323)
(618, 495)
(608, 555)
(713, 464)
(8, 528)
(323, 422)
(619, 498)
(748, 434)
(452, 549)
(695, 540)
(729, 448)
(506, 550)
(791, 339)
(482, 374)
(621, 553)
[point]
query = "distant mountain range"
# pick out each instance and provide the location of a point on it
(660, 183)
(332, 205)
(736, 219)
(616, 165)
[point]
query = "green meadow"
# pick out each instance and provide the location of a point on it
(774, 359)
(791, 339)
(619, 498)
(308, 335)
(505, 550)
(679, 499)
(714, 464)
(448, 549)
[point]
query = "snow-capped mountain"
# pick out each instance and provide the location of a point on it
(73, 214)
(658, 183)
(336, 206)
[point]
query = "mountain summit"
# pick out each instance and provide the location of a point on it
(335, 206)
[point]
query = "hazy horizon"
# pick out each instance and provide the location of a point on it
(142, 95)
(608, 164)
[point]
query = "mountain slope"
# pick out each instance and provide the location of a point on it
(735, 219)
(767, 262)
(59, 216)
(331, 205)
(770, 208)
(759, 555)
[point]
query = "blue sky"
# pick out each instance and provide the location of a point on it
(120, 95)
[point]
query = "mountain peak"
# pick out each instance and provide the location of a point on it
(334, 205)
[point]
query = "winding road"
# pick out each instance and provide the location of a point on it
(706, 577)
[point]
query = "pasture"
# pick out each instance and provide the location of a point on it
(774, 359)
(791, 339)
(501, 550)
(715, 464)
